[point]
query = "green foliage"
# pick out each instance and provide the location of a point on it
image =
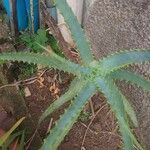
(32, 40)
(115, 100)
(84, 116)
(131, 77)
(91, 76)
(12, 137)
(54, 45)
(3, 16)
(123, 59)
(70, 116)
(26, 70)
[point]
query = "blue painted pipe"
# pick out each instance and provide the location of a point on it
(35, 13)
(23, 13)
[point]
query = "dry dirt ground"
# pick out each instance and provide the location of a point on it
(102, 132)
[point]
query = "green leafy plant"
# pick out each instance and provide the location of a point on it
(55, 45)
(91, 76)
(26, 70)
(84, 116)
(32, 40)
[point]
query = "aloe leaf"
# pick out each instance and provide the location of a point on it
(131, 77)
(122, 59)
(74, 89)
(76, 30)
(8, 133)
(130, 111)
(66, 122)
(125, 130)
(115, 99)
(51, 60)
(125, 137)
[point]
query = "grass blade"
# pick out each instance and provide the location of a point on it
(10, 140)
(8, 133)
(21, 147)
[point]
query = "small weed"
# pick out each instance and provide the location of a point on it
(41, 37)
(84, 116)
(26, 70)
(31, 40)
(21, 71)
(54, 45)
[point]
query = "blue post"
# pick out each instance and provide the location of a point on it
(35, 13)
(24, 14)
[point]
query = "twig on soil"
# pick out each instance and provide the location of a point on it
(28, 143)
(50, 125)
(101, 108)
(113, 132)
(92, 108)
(83, 148)
(108, 113)
(18, 83)
(15, 144)
(89, 128)
(24, 82)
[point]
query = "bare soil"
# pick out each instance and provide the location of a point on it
(102, 133)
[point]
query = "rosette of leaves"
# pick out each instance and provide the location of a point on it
(91, 76)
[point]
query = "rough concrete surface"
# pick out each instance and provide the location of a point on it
(114, 25)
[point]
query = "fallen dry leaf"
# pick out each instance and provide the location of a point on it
(54, 89)
(40, 80)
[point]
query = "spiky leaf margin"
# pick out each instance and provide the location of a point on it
(132, 78)
(121, 59)
(115, 99)
(74, 89)
(76, 31)
(66, 122)
(52, 60)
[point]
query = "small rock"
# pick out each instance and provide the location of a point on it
(27, 92)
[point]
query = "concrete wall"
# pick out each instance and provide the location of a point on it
(77, 7)
(114, 25)
(80, 9)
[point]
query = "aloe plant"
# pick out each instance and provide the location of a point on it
(91, 76)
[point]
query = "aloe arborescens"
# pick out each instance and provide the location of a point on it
(91, 76)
